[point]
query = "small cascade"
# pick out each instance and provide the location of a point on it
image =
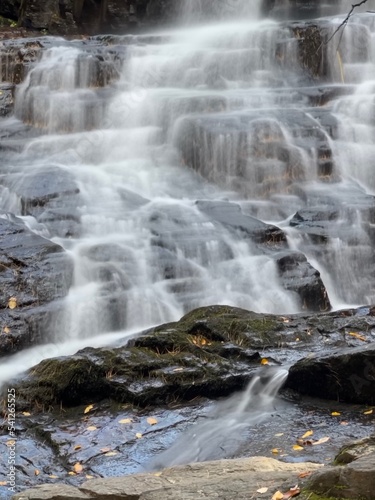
(220, 433)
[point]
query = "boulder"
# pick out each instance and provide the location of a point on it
(345, 375)
(33, 272)
(224, 479)
(355, 450)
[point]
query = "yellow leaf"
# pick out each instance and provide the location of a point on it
(77, 447)
(297, 447)
(278, 496)
(88, 408)
(307, 434)
(262, 490)
(321, 441)
(275, 451)
(335, 414)
(89, 477)
(71, 473)
(36, 472)
(125, 421)
(152, 420)
(264, 361)
(26, 414)
(368, 412)
(12, 303)
(52, 476)
(91, 428)
(358, 336)
(6, 329)
(138, 435)
(111, 453)
(77, 468)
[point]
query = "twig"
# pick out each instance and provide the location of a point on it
(346, 20)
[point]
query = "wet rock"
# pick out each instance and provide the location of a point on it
(355, 450)
(17, 57)
(345, 375)
(253, 155)
(298, 275)
(355, 480)
(221, 479)
(34, 271)
(6, 99)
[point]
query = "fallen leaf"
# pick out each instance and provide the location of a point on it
(297, 447)
(52, 476)
(89, 477)
(264, 361)
(125, 421)
(368, 412)
(12, 303)
(307, 434)
(138, 435)
(6, 329)
(275, 451)
(304, 474)
(358, 336)
(111, 454)
(77, 468)
(278, 496)
(71, 473)
(344, 423)
(321, 441)
(88, 408)
(11, 442)
(152, 420)
(279, 434)
(335, 414)
(178, 370)
(262, 490)
(293, 492)
(91, 428)
(3, 483)
(77, 447)
(158, 474)
(26, 414)
(104, 450)
(36, 472)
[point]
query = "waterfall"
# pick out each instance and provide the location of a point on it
(220, 433)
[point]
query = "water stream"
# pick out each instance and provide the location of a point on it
(145, 253)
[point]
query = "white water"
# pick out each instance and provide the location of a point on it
(147, 255)
(220, 433)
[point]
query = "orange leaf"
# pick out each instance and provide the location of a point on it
(264, 361)
(293, 492)
(77, 468)
(304, 474)
(152, 420)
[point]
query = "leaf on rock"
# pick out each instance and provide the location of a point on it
(264, 361)
(368, 412)
(125, 421)
(262, 490)
(88, 408)
(12, 303)
(89, 477)
(178, 369)
(77, 468)
(275, 451)
(293, 492)
(152, 420)
(6, 329)
(71, 473)
(36, 472)
(3, 483)
(321, 441)
(139, 435)
(77, 447)
(91, 428)
(279, 434)
(297, 447)
(111, 453)
(278, 496)
(358, 336)
(104, 450)
(52, 476)
(335, 414)
(304, 474)
(26, 414)
(307, 434)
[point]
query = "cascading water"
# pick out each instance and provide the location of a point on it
(230, 101)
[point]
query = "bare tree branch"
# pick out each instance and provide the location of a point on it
(346, 20)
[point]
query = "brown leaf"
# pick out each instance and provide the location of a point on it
(304, 474)
(293, 492)
(36, 472)
(77, 447)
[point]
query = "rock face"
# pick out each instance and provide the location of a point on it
(345, 375)
(224, 479)
(34, 271)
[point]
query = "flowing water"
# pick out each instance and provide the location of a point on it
(145, 253)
